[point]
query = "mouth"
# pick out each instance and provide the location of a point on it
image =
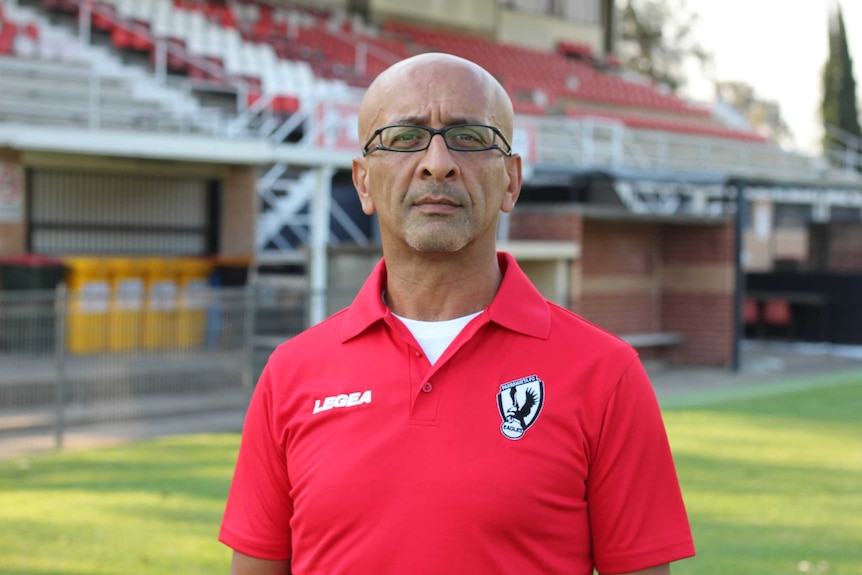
(436, 205)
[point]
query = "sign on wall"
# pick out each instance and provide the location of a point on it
(11, 193)
(336, 122)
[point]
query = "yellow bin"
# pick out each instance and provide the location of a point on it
(193, 277)
(127, 304)
(160, 304)
(89, 295)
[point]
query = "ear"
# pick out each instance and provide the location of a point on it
(513, 190)
(360, 176)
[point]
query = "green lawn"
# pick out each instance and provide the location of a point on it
(773, 483)
(772, 477)
(148, 508)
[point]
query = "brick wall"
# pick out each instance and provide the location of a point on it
(13, 232)
(623, 313)
(699, 244)
(541, 223)
(698, 291)
(706, 320)
(648, 276)
(530, 222)
(621, 266)
(844, 251)
(239, 211)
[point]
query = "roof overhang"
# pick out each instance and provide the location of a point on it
(164, 146)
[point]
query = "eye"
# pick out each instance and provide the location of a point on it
(470, 137)
(404, 138)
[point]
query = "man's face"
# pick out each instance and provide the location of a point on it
(437, 200)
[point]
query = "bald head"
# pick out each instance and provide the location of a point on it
(431, 88)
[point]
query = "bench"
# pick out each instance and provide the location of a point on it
(654, 347)
(654, 339)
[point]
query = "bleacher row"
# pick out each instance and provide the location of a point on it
(10, 31)
(293, 53)
(48, 77)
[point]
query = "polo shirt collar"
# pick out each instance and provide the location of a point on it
(517, 306)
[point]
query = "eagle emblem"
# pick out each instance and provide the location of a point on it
(520, 402)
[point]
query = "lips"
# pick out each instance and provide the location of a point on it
(432, 201)
(436, 205)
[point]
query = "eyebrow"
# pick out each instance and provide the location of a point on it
(422, 121)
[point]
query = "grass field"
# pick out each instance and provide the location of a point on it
(773, 483)
(772, 477)
(147, 508)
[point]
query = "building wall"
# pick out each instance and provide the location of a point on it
(552, 224)
(487, 18)
(477, 16)
(647, 277)
(13, 238)
(844, 248)
(622, 276)
(791, 244)
(239, 211)
(546, 223)
(698, 284)
(544, 33)
(238, 199)
(319, 4)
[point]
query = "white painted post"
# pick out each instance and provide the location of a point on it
(321, 201)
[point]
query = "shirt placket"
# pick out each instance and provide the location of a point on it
(428, 382)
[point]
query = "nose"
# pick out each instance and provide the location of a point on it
(437, 162)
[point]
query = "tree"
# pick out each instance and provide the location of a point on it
(656, 39)
(838, 109)
(764, 116)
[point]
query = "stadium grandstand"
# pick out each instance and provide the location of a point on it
(226, 130)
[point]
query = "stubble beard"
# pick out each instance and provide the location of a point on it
(443, 233)
(446, 234)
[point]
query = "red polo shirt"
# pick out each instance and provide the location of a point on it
(534, 445)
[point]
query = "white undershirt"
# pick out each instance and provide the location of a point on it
(435, 336)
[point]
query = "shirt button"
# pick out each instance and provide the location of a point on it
(418, 353)
(427, 387)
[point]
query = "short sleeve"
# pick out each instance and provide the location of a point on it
(637, 515)
(259, 508)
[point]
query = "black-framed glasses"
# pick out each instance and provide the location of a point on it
(460, 137)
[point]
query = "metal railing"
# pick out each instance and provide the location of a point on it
(74, 360)
(844, 149)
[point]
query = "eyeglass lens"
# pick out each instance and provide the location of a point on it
(409, 138)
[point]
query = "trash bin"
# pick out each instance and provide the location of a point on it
(27, 319)
(30, 272)
(193, 275)
(127, 304)
(89, 301)
(160, 304)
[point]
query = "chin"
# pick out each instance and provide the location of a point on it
(435, 247)
(436, 244)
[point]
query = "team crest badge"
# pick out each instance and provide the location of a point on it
(520, 403)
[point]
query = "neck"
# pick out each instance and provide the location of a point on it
(437, 287)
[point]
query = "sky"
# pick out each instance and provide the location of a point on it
(779, 47)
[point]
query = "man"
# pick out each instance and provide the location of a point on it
(451, 420)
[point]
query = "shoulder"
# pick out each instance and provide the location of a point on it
(318, 339)
(579, 331)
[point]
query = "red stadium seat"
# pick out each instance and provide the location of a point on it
(751, 311)
(776, 312)
(8, 32)
(31, 30)
(121, 38)
(680, 127)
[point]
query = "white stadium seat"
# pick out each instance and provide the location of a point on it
(160, 25)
